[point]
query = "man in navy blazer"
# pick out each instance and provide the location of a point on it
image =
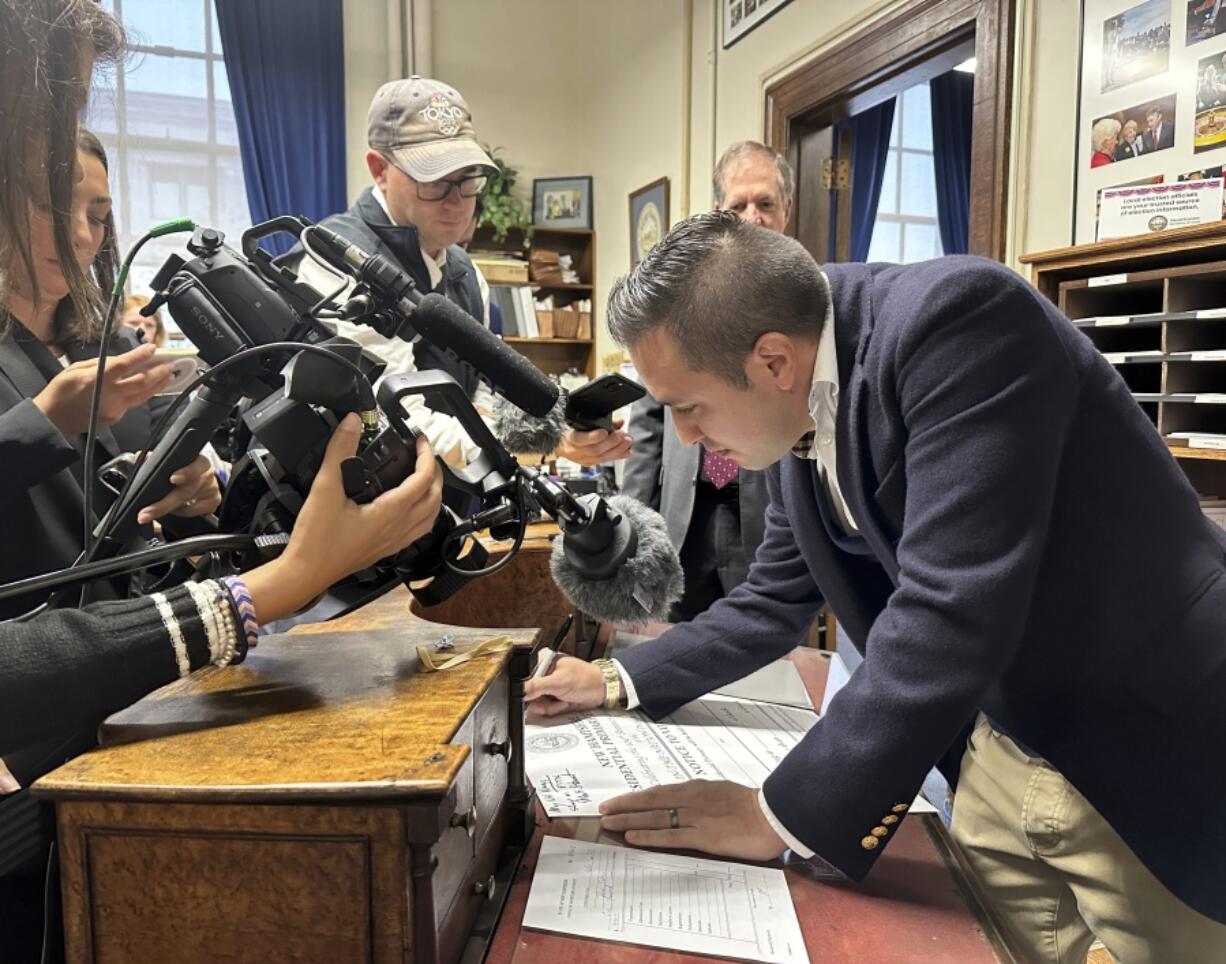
(1006, 539)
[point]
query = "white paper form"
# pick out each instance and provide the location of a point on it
(664, 900)
(578, 760)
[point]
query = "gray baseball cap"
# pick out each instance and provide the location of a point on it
(426, 126)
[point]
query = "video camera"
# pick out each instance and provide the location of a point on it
(245, 313)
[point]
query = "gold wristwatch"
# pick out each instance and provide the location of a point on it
(612, 683)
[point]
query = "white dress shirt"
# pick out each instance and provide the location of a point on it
(446, 435)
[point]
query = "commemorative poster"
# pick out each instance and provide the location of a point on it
(1152, 111)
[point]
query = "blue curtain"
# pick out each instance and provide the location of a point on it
(952, 106)
(285, 62)
(870, 146)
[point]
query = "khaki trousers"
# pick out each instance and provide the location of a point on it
(1057, 874)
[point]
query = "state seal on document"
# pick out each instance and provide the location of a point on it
(552, 742)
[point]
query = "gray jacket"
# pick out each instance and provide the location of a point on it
(662, 473)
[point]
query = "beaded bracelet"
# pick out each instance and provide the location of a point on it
(244, 614)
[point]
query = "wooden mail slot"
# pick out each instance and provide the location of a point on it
(325, 801)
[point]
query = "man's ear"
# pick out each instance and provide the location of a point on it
(377, 164)
(774, 360)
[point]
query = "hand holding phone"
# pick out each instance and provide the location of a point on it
(593, 405)
(184, 368)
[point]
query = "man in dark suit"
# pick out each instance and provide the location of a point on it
(1158, 134)
(1007, 541)
(713, 507)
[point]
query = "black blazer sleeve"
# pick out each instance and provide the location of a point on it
(641, 479)
(32, 450)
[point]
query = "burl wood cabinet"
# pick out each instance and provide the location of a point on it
(324, 802)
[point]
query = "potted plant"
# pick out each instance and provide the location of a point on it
(499, 208)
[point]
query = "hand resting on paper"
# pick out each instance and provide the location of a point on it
(713, 816)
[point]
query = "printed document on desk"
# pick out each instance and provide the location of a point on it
(578, 760)
(664, 900)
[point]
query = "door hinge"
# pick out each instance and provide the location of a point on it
(836, 174)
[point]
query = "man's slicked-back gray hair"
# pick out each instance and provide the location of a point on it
(783, 170)
(716, 284)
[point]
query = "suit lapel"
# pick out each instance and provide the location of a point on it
(19, 370)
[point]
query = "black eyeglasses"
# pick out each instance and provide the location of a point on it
(469, 186)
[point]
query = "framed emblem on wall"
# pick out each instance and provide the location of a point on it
(648, 218)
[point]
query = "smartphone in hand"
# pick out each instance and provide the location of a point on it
(593, 405)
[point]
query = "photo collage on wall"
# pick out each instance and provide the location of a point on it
(1153, 98)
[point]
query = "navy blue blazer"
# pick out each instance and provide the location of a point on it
(1034, 552)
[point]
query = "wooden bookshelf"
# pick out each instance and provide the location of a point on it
(1155, 306)
(553, 355)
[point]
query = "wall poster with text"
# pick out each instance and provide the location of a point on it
(1152, 97)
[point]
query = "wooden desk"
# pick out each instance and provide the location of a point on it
(917, 906)
(323, 802)
(294, 808)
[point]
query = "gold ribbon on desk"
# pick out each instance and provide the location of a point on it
(434, 662)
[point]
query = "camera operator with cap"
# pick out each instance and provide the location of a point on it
(428, 170)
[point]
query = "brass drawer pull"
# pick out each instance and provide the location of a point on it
(503, 748)
(467, 820)
(485, 888)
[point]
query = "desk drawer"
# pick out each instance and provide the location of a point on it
(481, 790)
(454, 930)
(492, 750)
(453, 854)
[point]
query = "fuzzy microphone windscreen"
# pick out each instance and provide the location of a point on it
(524, 434)
(642, 589)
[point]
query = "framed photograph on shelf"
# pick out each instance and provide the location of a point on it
(648, 218)
(562, 202)
(741, 16)
(1152, 98)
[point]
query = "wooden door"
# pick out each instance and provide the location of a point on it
(821, 220)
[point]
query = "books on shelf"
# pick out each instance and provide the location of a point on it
(526, 317)
(518, 311)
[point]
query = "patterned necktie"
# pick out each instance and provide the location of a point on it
(718, 470)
